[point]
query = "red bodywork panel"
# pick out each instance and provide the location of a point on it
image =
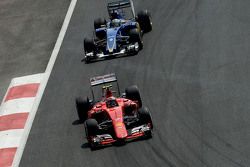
(115, 114)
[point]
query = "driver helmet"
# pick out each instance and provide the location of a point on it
(116, 22)
(111, 102)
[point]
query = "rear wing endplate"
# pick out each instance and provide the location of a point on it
(94, 81)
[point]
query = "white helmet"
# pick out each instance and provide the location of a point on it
(116, 22)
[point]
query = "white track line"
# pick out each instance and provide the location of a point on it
(43, 84)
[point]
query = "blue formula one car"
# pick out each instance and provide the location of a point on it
(121, 36)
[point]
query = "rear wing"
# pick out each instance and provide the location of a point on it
(94, 81)
(102, 80)
(121, 4)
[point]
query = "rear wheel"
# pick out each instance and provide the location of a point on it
(82, 107)
(99, 22)
(144, 19)
(135, 36)
(133, 93)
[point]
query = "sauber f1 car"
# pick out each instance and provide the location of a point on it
(120, 36)
(113, 120)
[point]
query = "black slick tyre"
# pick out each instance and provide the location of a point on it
(91, 127)
(144, 116)
(144, 19)
(89, 45)
(135, 36)
(99, 22)
(133, 93)
(82, 107)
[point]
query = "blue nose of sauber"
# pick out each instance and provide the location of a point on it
(111, 39)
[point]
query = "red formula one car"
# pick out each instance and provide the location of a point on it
(113, 119)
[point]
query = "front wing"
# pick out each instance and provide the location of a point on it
(130, 49)
(134, 133)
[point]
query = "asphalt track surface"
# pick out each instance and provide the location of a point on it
(193, 74)
(28, 31)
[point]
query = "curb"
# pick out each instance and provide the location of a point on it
(14, 112)
(11, 156)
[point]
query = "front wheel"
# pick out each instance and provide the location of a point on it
(145, 116)
(89, 45)
(91, 127)
(135, 36)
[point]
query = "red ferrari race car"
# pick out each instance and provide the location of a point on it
(114, 118)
